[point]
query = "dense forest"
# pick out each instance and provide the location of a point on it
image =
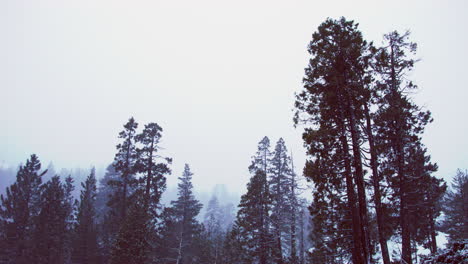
(374, 196)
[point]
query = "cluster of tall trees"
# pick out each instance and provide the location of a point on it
(42, 222)
(122, 221)
(372, 175)
(270, 226)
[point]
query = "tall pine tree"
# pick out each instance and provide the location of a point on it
(181, 227)
(51, 234)
(330, 105)
(20, 210)
(85, 247)
(456, 208)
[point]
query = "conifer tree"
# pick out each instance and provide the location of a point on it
(125, 164)
(123, 188)
(153, 171)
(400, 123)
(20, 210)
(280, 192)
(180, 225)
(213, 229)
(85, 248)
(235, 247)
(50, 234)
(107, 216)
(261, 159)
(70, 205)
(331, 105)
(252, 220)
(456, 208)
(132, 244)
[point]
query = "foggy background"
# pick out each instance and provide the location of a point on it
(216, 75)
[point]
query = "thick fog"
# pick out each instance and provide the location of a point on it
(216, 75)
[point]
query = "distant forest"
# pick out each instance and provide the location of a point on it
(373, 197)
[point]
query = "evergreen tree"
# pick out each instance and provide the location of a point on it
(294, 217)
(70, 206)
(125, 164)
(180, 226)
(153, 172)
(424, 198)
(400, 123)
(280, 191)
(122, 194)
(105, 191)
(261, 159)
(51, 234)
(235, 247)
(85, 249)
(213, 229)
(138, 230)
(20, 209)
(455, 223)
(331, 103)
(252, 221)
(107, 216)
(132, 244)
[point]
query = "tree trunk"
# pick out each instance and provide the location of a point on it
(359, 256)
(302, 242)
(293, 218)
(433, 234)
(359, 177)
(149, 176)
(377, 194)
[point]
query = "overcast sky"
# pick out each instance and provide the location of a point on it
(216, 75)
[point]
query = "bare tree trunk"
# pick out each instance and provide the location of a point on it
(293, 215)
(377, 194)
(149, 177)
(433, 234)
(302, 243)
(179, 251)
(358, 254)
(359, 175)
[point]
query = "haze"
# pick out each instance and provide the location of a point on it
(216, 75)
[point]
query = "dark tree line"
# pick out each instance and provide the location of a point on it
(119, 222)
(123, 221)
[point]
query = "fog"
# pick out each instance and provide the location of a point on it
(216, 75)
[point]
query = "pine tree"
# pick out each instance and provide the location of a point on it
(456, 208)
(20, 210)
(261, 159)
(424, 198)
(235, 247)
(180, 226)
(331, 104)
(85, 248)
(399, 124)
(70, 206)
(252, 220)
(213, 229)
(125, 164)
(280, 191)
(50, 234)
(153, 172)
(294, 217)
(107, 216)
(132, 244)
(123, 188)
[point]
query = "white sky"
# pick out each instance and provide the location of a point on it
(216, 75)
